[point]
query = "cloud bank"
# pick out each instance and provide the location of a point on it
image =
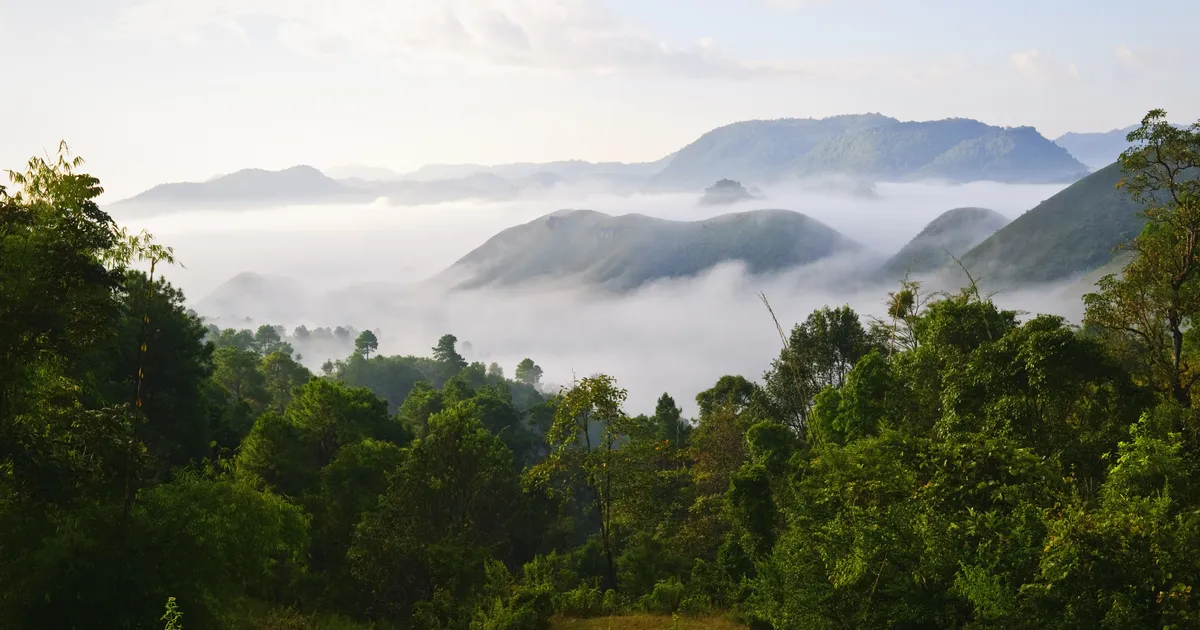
(362, 265)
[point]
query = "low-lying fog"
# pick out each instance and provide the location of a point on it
(676, 336)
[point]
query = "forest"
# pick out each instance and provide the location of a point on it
(951, 464)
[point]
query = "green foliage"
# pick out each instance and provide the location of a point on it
(172, 617)
(447, 510)
(953, 466)
(528, 372)
(366, 343)
(818, 353)
(446, 353)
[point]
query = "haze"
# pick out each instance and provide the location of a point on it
(675, 336)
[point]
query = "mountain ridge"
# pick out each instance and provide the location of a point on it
(624, 252)
(863, 146)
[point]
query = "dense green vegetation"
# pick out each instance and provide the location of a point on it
(951, 234)
(871, 145)
(952, 465)
(620, 253)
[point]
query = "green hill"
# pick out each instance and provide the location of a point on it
(953, 232)
(871, 145)
(624, 252)
(1069, 234)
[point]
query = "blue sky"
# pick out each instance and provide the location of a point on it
(168, 90)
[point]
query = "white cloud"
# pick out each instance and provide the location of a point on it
(566, 36)
(1039, 67)
(675, 336)
(1128, 59)
(559, 35)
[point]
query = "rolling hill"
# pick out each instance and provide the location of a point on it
(869, 145)
(623, 252)
(1068, 235)
(954, 232)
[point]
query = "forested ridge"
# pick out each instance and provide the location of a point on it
(949, 465)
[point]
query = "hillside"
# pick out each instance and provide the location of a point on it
(870, 145)
(271, 298)
(954, 232)
(1069, 234)
(624, 252)
(249, 186)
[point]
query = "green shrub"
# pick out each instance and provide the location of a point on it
(666, 597)
(582, 601)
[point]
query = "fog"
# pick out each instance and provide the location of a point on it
(356, 265)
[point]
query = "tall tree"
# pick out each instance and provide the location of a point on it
(449, 507)
(281, 375)
(237, 371)
(584, 439)
(366, 343)
(818, 353)
(446, 353)
(1155, 299)
(528, 372)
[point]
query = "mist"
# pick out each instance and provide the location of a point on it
(362, 265)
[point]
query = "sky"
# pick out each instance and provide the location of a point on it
(152, 91)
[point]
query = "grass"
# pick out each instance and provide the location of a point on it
(645, 622)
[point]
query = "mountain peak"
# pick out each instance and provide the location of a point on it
(952, 233)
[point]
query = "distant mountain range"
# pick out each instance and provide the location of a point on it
(1097, 150)
(867, 147)
(1071, 235)
(299, 183)
(624, 252)
(952, 234)
(307, 185)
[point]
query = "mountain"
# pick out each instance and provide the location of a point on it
(271, 298)
(249, 186)
(870, 145)
(954, 232)
(624, 252)
(1070, 234)
(1096, 150)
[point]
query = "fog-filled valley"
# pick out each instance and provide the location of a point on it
(369, 265)
(599, 315)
